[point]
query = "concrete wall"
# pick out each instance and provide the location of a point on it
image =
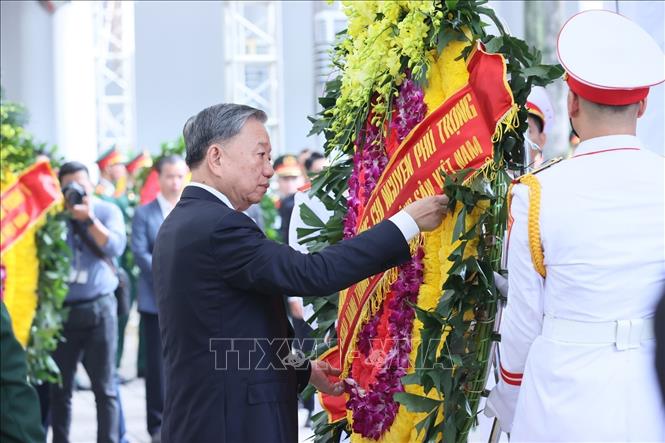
(75, 104)
(179, 67)
(297, 78)
(179, 70)
(26, 62)
(511, 14)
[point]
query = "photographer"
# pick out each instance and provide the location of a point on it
(96, 235)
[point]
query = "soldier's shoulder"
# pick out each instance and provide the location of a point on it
(545, 166)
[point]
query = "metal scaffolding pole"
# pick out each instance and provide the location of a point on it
(252, 59)
(114, 65)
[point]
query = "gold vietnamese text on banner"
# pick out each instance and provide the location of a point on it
(456, 135)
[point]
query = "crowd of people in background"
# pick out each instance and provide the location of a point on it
(111, 231)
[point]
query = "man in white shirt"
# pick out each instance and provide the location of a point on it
(172, 171)
(585, 256)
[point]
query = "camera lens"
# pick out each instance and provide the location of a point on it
(73, 194)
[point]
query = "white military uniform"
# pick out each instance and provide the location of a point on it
(602, 226)
(577, 341)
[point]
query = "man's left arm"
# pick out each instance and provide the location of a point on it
(262, 265)
(522, 317)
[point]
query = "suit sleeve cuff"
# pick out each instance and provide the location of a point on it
(406, 224)
(303, 374)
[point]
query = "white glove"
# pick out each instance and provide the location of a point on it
(497, 405)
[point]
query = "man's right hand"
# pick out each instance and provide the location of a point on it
(82, 211)
(321, 370)
(428, 212)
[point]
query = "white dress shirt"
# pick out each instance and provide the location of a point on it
(214, 192)
(164, 205)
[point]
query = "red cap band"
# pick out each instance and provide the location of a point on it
(111, 158)
(535, 110)
(614, 97)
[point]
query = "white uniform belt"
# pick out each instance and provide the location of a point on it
(626, 334)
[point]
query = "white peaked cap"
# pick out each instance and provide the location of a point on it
(538, 103)
(608, 58)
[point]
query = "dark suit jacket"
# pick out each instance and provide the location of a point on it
(218, 278)
(285, 210)
(20, 420)
(145, 225)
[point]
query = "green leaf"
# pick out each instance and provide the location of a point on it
(494, 45)
(425, 423)
(309, 217)
(308, 392)
(445, 36)
(416, 403)
(449, 430)
(460, 224)
(545, 71)
(304, 232)
(446, 381)
(426, 382)
(451, 4)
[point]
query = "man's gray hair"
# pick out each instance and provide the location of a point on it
(215, 124)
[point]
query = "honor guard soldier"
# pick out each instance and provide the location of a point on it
(585, 256)
(112, 170)
(138, 163)
(541, 120)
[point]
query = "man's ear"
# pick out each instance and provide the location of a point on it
(642, 107)
(573, 104)
(214, 156)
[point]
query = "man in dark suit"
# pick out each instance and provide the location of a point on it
(230, 373)
(148, 218)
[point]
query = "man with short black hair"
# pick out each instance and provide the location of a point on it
(230, 373)
(172, 171)
(96, 235)
(316, 163)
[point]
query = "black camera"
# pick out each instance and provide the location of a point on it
(73, 193)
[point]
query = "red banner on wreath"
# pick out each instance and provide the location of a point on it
(456, 135)
(23, 203)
